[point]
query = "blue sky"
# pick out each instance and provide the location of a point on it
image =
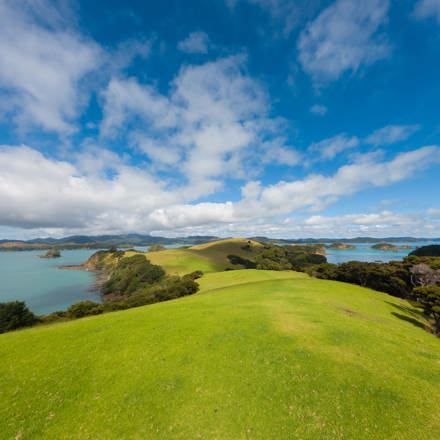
(282, 118)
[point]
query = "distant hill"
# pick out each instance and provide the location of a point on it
(132, 240)
(100, 241)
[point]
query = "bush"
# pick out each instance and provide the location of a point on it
(393, 278)
(14, 315)
(194, 275)
(57, 316)
(132, 274)
(288, 258)
(237, 260)
(429, 298)
(84, 308)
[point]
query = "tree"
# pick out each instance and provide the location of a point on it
(423, 275)
(15, 315)
(429, 298)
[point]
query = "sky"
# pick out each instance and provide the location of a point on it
(278, 118)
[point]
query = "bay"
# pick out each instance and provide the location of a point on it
(42, 284)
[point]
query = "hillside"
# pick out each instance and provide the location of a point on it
(254, 354)
(208, 257)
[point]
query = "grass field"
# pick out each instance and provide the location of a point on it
(254, 354)
(208, 257)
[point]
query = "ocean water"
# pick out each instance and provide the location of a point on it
(41, 283)
(363, 252)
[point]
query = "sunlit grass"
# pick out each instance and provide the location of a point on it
(255, 354)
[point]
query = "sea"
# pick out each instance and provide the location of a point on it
(46, 287)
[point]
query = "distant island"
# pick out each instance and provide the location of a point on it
(51, 253)
(385, 247)
(340, 245)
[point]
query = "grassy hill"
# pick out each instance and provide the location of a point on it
(254, 354)
(208, 257)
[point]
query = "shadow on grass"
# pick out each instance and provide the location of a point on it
(414, 318)
(410, 320)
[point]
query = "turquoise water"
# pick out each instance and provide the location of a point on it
(41, 284)
(363, 252)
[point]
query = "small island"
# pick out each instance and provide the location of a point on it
(384, 247)
(341, 246)
(51, 253)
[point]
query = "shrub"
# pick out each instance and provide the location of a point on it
(194, 275)
(429, 298)
(14, 315)
(237, 260)
(131, 274)
(84, 308)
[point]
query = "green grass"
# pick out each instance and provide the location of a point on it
(255, 354)
(208, 257)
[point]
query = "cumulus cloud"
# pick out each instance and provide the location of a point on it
(42, 65)
(195, 42)
(427, 8)
(36, 191)
(344, 37)
(214, 124)
(90, 195)
(391, 134)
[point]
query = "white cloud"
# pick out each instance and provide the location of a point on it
(329, 148)
(36, 191)
(195, 42)
(318, 109)
(214, 124)
(127, 51)
(89, 195)
(385, 223)
(391, 134)
(42, 65)
(344, 37)
(276, 152)
(427, 8)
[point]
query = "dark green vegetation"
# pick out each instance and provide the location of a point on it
(429, 298)
(14, 315)
(287, 258)
(427, 251)
(254, 354)
(51, 253)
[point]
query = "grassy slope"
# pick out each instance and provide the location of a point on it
(208, 257)
(255, 355)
